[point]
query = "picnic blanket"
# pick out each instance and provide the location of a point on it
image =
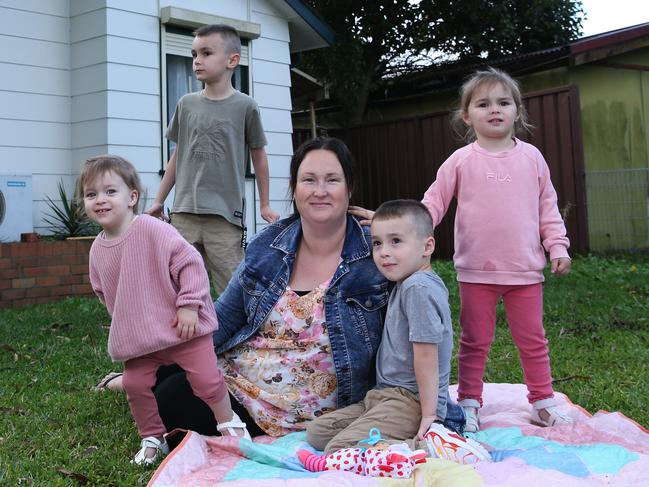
(602, 449)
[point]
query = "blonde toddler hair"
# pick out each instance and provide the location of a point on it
(490, 77)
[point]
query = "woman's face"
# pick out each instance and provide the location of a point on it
(321, 193)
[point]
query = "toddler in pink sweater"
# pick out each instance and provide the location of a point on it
(507, 218)
(157, 292)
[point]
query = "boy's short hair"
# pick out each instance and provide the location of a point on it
(419, 214)
(98, 165)
(229, 35)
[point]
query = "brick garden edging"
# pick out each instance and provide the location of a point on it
(41, 272)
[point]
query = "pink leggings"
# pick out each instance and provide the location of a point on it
(524, 309)
(196, 357)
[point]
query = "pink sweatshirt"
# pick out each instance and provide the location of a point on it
(143, 277)
(506, 213)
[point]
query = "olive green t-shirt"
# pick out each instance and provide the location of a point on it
(213, 139)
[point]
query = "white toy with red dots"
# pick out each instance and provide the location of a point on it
(378, 460)
(395, 461)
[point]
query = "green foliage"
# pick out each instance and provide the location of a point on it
(54, 430)
(71, 220)
(380, 39)
(474, 29)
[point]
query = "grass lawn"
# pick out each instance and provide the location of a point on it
(54, 430)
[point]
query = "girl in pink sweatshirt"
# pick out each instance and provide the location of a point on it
(507, 218)
(157, 292)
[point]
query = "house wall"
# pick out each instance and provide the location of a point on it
(271, 88)
(614, 109)
(82, 77)
(615, 128)
(35, 93)
(115, 84)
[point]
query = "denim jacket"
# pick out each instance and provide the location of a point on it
(354, 302)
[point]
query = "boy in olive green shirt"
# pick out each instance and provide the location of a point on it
(214, 129)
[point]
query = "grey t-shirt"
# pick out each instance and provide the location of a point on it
(417, 311)
(213, 140)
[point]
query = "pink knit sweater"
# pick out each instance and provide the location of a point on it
(143, 277)
(506, 213)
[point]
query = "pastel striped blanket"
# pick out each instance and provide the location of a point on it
(600, 450)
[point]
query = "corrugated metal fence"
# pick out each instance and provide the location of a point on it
(399, 159)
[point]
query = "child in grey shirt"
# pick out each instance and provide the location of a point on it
(410, 401)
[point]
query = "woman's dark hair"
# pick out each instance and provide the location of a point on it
(332, 144)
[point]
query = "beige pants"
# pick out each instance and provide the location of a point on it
(394, 411)
(218, 241)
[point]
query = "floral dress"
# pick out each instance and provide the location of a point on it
(284, 375)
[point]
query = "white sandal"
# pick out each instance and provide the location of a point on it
(235, 422)
(107, 384)
(555, 417)
(161, 449)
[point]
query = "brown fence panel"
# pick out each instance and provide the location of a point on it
(556, 116)
(399, 159)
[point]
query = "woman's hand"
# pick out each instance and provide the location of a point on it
(186, 323)
(362, 213)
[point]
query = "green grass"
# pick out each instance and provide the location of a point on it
(54, 430)
(597, 322)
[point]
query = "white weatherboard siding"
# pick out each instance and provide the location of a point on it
(82, 77)
(35, 93)
(115, 79)
(271, 88)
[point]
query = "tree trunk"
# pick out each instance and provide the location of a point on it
(357, 111)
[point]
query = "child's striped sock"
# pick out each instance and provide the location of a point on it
(311, 461)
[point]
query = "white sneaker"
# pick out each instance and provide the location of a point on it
(470, 408)
(443, 443)
(161, 449)
(555, 417)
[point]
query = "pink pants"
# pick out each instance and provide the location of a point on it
(524, 310)
(196, 357)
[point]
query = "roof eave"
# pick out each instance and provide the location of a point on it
(307, 31)
(608, 44)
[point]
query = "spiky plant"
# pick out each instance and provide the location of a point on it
(70, 220)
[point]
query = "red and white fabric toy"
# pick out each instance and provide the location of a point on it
(396, 461)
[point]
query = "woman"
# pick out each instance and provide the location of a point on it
(301, 319)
